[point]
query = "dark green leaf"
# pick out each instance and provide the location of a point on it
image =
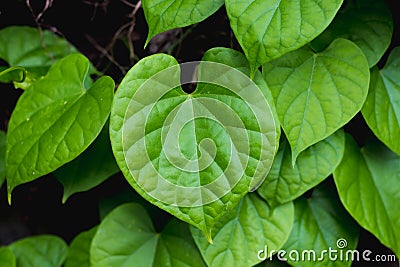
(79, 249)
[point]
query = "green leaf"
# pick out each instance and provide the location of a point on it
(285, 182)
(7, 258)
(12, 74)
(368, 184)
(2, 157)
(55, 120)
(267, 29)
(135, 243)
(171, 147)
(78, 251)
(321, 223)
(245, 230)
(381, 110)
(367, 23)
(32, 49)
(317, 93)
(163, 15)
(43, 251)
(92, 167)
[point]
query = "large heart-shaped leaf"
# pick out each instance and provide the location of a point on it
(321, 224)
(2, 156)
(92, 167)
(43, 251)
(7, 258)
(163, 15)
(381, 110)
(367, 23)
(285, 182)
(36, 55)
(267, 29)
(55, 120)
(79, 249)
(193, 155)
(368, 185)
(135, 243)
(317, 93)
(245, 230)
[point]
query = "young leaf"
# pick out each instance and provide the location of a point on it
(163, 15)
(55, 120)
(79, 249)
(367, 23)
(171, 147)
(320, 223)
(317, 93)
(285, 182)
(43, 251)
(135, 243)
(92, 167)
(12, 74)
(245, 230)
(7, 258)
(368, 183)
(267, 29)
(2, 157)
(381, 110)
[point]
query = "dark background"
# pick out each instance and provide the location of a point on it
(100, 29)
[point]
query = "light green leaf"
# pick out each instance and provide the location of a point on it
(135, 243)
(239, 235)
(381, 110)
(367, 23)
(267, 29)
(55, 120)
(163, 15)
(317, 93)
(12, 74)
(43, 251)
(321, 223)
(79, 249)
(285, 182)
(171, 147)
(92, 167)
(32, 49)
(2, 157)
(7, 258)
(368, 183)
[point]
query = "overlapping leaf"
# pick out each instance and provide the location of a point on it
(367, 180)
(7, 258)
(55, 120)
(79, 249)
(381, 110)
(251, 226)
(321, 223)
(317, 93)
(135, 243)
(286, 182)
(163, 15)
(267, 29)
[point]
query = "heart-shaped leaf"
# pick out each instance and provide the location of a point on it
(7, 258)
(43, 251)
(285, 182)
(79, 249)
(163, 15)
(2, 157)
(135, 243)
(321, 224)
(36, 55)
(368, 184)
(193, 155)
(244, 231)
(92, 167)
(56, 113)
(317, 93)
(367, 23)
(381, 110)
(267, 29)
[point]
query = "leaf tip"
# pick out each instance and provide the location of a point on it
(208, 236)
